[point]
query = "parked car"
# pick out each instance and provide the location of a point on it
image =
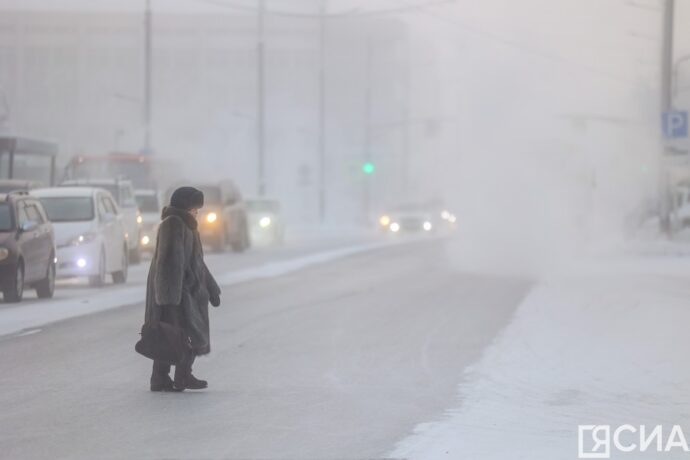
(148, 202)
(18, 185)
(123, 192)
(266, 225)
(223, 219)
(89, 233)
(27, 247)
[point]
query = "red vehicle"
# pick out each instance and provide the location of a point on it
(144, 171)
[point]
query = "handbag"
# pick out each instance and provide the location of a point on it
(164, 342)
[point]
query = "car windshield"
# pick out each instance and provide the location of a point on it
(263, 206)
(147, 203)
(6, 223)
(68, 209)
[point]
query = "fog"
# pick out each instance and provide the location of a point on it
(536, 120)
(461, 229)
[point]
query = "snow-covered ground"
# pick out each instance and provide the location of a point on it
(608, 342)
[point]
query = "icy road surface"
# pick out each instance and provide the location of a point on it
(340, 360)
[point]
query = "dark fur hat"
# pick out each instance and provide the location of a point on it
(187, 198)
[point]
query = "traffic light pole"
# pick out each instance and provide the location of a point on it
(148, 97)
(260, 98)
(322, 113)
(367, 128)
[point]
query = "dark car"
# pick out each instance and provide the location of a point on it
(27, 247)
(223, 219)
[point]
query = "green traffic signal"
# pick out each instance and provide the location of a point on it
(368, 168)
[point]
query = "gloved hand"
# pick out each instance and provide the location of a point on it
(215, 299)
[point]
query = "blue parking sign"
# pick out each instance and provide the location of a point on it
(675, 124)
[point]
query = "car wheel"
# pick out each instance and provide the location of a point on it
(14, 291)
(99, 280)
(46, 287)
(120, 277)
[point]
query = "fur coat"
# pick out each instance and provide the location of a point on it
(179, 280)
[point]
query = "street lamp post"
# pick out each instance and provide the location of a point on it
(148, 98)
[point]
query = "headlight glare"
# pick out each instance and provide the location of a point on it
(211, 217)
(265, 222)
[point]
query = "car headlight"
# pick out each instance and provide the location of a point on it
(265, 222)
(83, 238)
(385, 221)
(4, 253)
(427, 226)
(394, 227)
(140, 220)
(145, 240)
(211, 217)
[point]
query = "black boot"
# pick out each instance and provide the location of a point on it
(160, 380)
(165, 385)
(194, 383)
(184, 380)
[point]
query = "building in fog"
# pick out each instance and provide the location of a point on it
(77, 78)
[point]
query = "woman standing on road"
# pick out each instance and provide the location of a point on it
(180, 286)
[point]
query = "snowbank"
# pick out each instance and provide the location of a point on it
(606, 347)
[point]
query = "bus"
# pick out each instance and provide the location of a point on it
(145, 172)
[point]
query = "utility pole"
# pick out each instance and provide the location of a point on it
(260, 98)
(666, 106)
(367, 125)
(407, 72)
(148, 99)
(322, 113)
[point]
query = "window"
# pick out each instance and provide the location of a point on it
(68, 209)
(111, 206)
(5, 217)
(33, 213)
(102, 207)
(22, 217)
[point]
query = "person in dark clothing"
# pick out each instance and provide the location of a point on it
(180, 286)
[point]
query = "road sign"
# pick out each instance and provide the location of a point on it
(675, 124)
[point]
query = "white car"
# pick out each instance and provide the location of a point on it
(149, 203)
(266, 224)
(89, 233)
(123, 192)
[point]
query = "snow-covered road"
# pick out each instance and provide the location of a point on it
(337, 360)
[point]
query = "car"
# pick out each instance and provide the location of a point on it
(18, 185)
(148, 202)
(123, 192)
(223, 219)
(89, 233)
(266, 225)
(27, 247)
(409, 218)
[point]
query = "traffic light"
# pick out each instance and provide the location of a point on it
(368, 168)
